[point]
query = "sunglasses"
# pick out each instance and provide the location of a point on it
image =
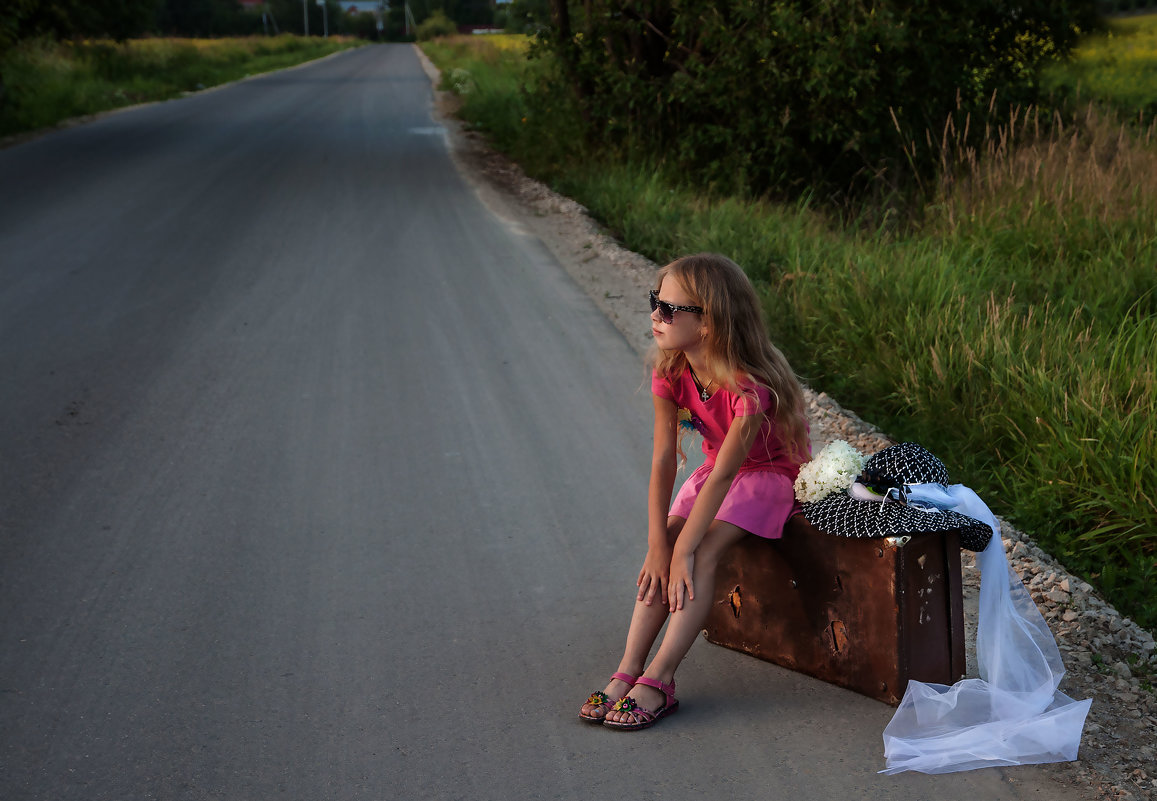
(667, 310)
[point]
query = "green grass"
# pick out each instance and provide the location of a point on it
(494, 80)
(1012, 330)
(47, 82)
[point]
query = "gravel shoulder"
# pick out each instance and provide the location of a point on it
(1108, 657)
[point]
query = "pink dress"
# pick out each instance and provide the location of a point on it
(762, 496)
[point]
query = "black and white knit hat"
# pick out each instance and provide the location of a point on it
(877, 505)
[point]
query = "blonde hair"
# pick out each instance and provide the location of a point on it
(738, 347)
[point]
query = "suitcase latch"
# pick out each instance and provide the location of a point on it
(898, 542)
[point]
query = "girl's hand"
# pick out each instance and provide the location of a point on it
(680, 581)
(653, 575)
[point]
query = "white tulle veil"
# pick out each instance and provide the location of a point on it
(1013, 714)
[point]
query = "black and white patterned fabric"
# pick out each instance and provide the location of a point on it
(842, 515)
(906, 463)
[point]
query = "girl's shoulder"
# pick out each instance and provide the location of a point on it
(747, 384)
(750, 395)
(663, 384)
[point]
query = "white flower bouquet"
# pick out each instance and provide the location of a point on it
(836, 468)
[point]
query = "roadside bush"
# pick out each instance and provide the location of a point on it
(435, 25)
(789, 95)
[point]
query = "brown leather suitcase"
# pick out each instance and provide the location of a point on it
(866, 614)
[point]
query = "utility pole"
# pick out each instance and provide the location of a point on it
(305, 15)
(324, 18)
(409, 19)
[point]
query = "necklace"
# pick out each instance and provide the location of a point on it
(704, 394)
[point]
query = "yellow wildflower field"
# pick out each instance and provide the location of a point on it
(1118, 67)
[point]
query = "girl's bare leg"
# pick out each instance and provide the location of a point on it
(685, 624)
(646, 623)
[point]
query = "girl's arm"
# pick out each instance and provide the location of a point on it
(736, 445)
(652, 579)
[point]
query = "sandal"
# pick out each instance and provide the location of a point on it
(599, 700)
(643, 718)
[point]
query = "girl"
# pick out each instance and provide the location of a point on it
(714, 370)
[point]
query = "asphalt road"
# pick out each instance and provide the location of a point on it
(319, 481)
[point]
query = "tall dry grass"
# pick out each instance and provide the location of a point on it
(1090, 166)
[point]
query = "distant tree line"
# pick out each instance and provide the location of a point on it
(116, 19)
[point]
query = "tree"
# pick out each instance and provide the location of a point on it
(13, 23)
(205, 18)
(527, 16)
(115, 19)
(469, 12)
(290, 16)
